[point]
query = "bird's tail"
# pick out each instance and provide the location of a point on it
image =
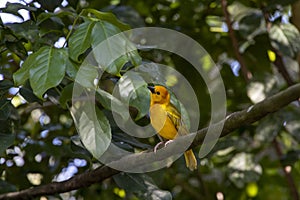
(190, 160)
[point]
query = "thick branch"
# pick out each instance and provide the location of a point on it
(232, 122)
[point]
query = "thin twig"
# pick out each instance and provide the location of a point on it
(246, 73)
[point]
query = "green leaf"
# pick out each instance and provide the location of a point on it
(107, 54)
(93, 127)
(47, 69)
(133, 89)
(80, 40)
(28, 95)
(5, 85)
(78, 147)
(6, 140)
(27, 29)
(66, 95)
(17, 48)
(112, 103)
(71, 69)
(86, 75)
(44, 16)
(141, 185)
(112, 53)
(285, 38)
(22, 74)
(5, 109)
(105, 16)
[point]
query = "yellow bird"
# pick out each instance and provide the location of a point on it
(166, 120)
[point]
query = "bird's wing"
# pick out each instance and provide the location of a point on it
(174, 115)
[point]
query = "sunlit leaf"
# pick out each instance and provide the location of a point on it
(243, 169)
(285, 38)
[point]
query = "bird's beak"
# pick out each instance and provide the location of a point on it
(151, 88)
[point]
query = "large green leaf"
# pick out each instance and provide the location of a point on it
(107, 54)
(46, 69)
(141, 185)
(80, 41)
(111, 48)
(93, 127)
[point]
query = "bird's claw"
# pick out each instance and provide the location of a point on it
(157, 145)
(168, 142)
(160, 143)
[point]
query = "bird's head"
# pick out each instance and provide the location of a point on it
(159, 95)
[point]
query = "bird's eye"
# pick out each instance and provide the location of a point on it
(158, 93)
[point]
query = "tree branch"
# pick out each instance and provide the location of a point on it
(232, 122)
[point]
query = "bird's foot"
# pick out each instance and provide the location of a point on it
(157, 145)
(162, 143)
(168, 142)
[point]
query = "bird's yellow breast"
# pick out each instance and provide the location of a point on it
(161, 122)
